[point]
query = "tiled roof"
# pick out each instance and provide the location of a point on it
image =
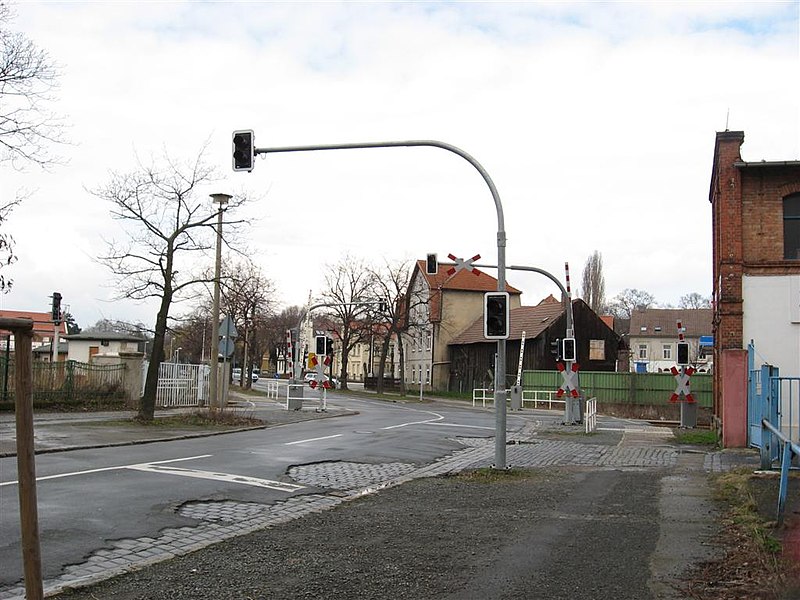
(663, 322)
(105, 336)
(42, 321)
(533, 320)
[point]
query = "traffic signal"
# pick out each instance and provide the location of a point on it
(431, 264)
(683, 354)
(320, 344)
(328, 346)
(569, 353)
(56, 308)
(555, 348)
(243, 150)
(495, 316)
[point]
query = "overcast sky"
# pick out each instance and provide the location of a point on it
(596, 122)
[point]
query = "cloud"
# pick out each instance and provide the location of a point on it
(596, 122)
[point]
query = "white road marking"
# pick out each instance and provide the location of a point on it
(425, 422)
(460, 425)
(327, 437)
(101, 470)
(226, 477)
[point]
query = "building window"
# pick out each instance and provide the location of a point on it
(597, 350)
(791, 227)
(427, 375)
(428, 342)
(643, 351)
(666, 351)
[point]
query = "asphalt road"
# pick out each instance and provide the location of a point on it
(89, 496)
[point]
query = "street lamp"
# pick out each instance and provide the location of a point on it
(213, 392)
(178, 354)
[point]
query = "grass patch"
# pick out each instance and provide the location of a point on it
(697, 437)
(200, 419)
(489, 475)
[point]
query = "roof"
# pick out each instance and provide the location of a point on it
(533, 320)
(109, 336)
(42, 321)
(63, 348)
(462, 280)
(663, 322)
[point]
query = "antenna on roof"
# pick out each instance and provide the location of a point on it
(727, 118)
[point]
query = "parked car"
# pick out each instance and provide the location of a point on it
(311, 376)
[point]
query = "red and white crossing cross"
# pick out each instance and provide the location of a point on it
(463, 264)
(682, 378)
(570, 384)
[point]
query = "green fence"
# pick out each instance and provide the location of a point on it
(624, 388)
(68, 382)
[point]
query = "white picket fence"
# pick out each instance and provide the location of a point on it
(180, 385)
(536, 397)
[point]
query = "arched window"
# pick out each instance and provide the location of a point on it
(791, 227)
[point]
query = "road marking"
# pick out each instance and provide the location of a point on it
(327, 437)
(103, 469)
(226, 477)
(425, 422)
(460, 425)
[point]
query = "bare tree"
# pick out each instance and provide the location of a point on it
(593, 285)
(695, 300)
(247, 298)
(27, 79)
(629, 300)
(275, 328)
(169, 230)
(349, 282)
(390, 282)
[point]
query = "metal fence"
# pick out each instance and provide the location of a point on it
(66, 381)
(180, 385)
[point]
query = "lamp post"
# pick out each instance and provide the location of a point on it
(178, 354)
(213, 383)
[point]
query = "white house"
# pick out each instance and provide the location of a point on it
(83, 347)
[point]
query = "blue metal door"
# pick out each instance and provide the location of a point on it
(763, 399)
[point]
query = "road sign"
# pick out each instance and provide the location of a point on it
(682, 389)
(226, 346)
(227, 329)
(570, 377)
(463, 264)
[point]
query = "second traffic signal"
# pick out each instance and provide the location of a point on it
(496, 322)
(569, 353)
(243, 150)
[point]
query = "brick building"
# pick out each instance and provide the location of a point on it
(756, 274)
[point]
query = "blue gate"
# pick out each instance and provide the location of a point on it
(763, 396)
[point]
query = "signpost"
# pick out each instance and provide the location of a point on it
(682, 375)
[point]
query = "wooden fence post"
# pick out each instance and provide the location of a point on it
(26, 462)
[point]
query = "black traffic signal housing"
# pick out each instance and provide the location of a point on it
(243, 150)
(320, 345)
(683, 354)
(56, 308)
(431, 264)
(496, 322)
(569, 351)
(328, 346)
(555, 348)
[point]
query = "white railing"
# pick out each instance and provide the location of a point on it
(590, 415)
(537, 396)
(273, 389)
(484, 395)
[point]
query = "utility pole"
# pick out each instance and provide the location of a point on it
(213, 382)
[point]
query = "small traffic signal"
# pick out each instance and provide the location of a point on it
(495, 316)
(431, 264)
(320, 344)
(243, 150)
(555, 348)
(569, 350)
(683, 354)
(328, 346)
(56, 308)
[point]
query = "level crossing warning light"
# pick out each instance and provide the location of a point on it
(495, 316)
(569, 351)
(320, 345)
(683, 354)
(431, 264)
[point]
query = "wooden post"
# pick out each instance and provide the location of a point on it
(26, 462)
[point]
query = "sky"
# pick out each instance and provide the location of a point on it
(596, 122)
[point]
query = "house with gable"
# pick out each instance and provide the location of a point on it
(654, 338)
(43, 329)
(755, 207)
(472, 356)
(440, 307)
